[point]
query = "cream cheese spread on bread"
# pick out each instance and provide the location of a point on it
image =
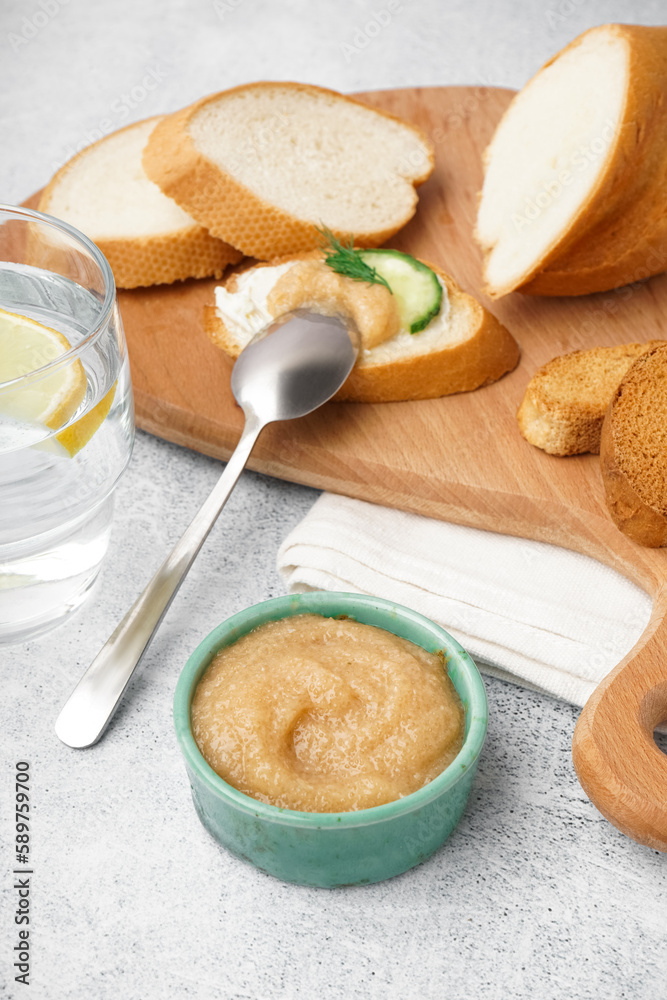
(244, 311)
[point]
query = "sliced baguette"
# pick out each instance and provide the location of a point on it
(633, 451)
(146, 237)
(575, 185)
(566, 399)
(463, 348)
(262, 164)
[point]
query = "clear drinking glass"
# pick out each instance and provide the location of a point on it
(66, 419)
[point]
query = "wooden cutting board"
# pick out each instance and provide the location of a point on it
(460, 458)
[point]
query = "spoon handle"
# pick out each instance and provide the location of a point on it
(92, 703)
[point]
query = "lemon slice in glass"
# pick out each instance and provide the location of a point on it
(74, 437)
(25, 346)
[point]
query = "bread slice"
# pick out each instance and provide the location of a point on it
(566, 399)
(146, 237)
(262, 164)
(633, 451)
(463, 348)
(575, 185)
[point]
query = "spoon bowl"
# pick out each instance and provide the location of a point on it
(293, 366)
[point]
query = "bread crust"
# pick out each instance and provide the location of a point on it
(637, 518)
(230, 210)
(620, 233)
(161, 260)
(489, 353)
(562, 431)
(153, 260)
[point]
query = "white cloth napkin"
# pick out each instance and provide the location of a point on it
(529, 612)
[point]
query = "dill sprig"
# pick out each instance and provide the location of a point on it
(347, 261)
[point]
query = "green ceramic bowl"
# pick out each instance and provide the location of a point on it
(332, 849)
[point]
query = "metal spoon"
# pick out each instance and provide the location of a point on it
(285, 372)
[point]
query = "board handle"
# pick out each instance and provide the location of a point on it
(620, 768)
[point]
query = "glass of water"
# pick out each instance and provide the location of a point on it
(66, 418)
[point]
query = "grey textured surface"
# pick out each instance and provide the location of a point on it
(535, 896)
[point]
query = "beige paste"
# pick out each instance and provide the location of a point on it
(311, 284)
(326, 715)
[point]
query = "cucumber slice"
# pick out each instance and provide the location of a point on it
(416, 287)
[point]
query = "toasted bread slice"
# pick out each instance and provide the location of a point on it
(263, 164)
(463, 348)
(575, 186)
(566, 399)
(633, 450)
(146, 237)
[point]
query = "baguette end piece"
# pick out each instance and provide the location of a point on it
(576, 174)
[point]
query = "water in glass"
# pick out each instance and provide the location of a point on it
(57, 483)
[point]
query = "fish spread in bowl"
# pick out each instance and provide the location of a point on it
(362, 843)
(323, 714)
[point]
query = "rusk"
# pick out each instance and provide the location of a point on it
(565, 401)
(263, 164)
(145, 236)
(633, 451)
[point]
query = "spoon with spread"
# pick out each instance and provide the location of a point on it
(286, 371)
